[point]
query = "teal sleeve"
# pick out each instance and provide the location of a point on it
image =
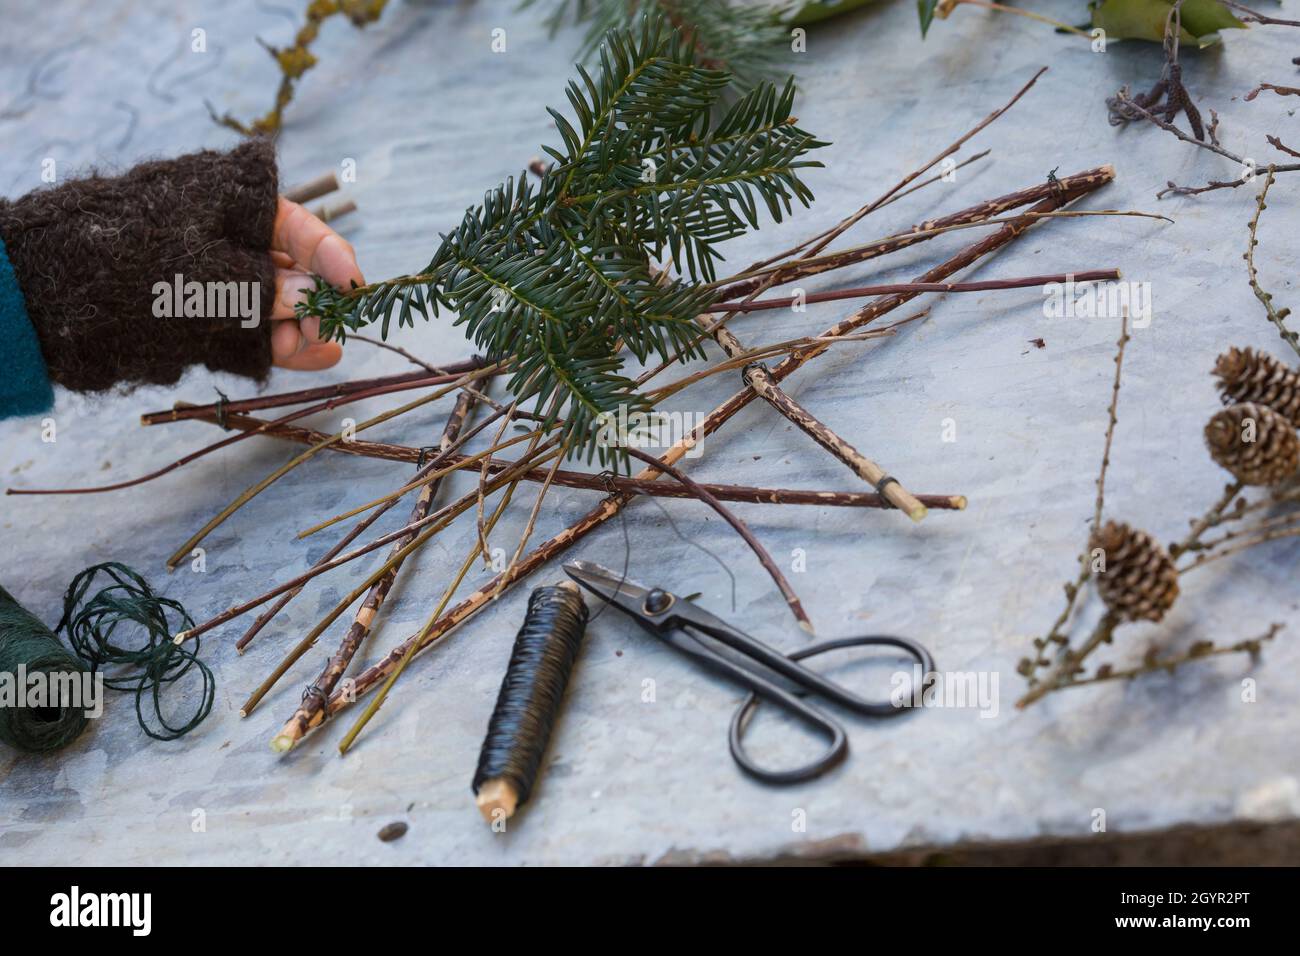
(24, 382)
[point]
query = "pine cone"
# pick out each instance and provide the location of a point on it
(1139, 581)
(1249, 376)
(1267, 457)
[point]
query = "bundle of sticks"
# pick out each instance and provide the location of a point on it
(1007, 216)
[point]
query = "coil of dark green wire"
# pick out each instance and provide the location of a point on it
(121, 634)
(149, 667)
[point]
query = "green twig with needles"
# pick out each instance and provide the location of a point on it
(1275, 315)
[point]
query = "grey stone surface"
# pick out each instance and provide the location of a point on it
(432, 118)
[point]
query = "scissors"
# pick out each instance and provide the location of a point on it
(761, 669)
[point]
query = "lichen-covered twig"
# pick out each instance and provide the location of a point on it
(297, 59)
(1275, 315)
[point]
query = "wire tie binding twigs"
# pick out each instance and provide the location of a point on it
(882, 484)
(425, 450)
(311, 691)
(751, 368)
(607, 479)
(1057, 188)
(219, 409)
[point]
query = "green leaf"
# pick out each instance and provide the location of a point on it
(925, 10)
(1145, 20)
(814, 11)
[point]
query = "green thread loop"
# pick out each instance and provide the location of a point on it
(151, 666)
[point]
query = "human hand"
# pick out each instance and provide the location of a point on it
(300, 246)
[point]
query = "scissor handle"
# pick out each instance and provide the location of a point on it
(807, 679)
(760, 686)
(745, 712)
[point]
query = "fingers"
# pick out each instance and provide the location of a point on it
(300, 246)
(291, 287)
(297, 345)
(314, 246)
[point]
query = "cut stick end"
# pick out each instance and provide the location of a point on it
(1108, 171)
(918, 513)
(497, 797)
(180, 638)
(281, 743)
(807, 626)
(958, 502)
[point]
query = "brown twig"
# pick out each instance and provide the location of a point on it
(1151, 663)
(327, 213)
(203, 412)
(986, 212)
(1071, 661)
(758, 378)
(601, 482)
(255, 489)
(368, 386)
(296, 60)
(1028, 668)
(1272, 88)
(322, 185)
(265, 618)
(862, 292)
(319, 690)
(791, 599)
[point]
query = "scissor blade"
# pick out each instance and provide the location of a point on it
(609, 586)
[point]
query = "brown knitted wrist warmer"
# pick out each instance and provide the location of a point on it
(89, 256)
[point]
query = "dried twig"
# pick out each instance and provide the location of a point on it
(791, 599)
(1276, 316)
(1199, 651)
(296, 60)
(369, 386)
(602, 482)
(318, 692)
(253, 490)
(760, 380)
(1028, 667)
(322, 185)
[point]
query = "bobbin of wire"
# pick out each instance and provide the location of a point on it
(528, 704)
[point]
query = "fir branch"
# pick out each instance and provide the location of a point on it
(749, 40)
(554, 278)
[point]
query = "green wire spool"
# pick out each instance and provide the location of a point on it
(28, 648)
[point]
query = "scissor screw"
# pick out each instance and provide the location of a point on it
(657, 601)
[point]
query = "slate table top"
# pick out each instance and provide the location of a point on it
(431, 117)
